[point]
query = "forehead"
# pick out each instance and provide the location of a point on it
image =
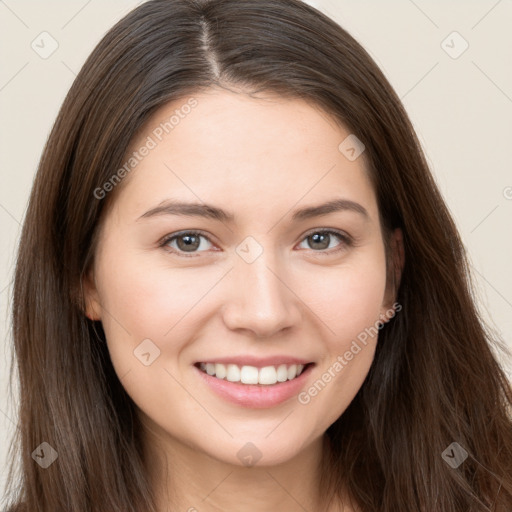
(254, 153)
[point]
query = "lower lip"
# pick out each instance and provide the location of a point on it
(256, 396)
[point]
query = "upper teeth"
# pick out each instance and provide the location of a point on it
(252, 375)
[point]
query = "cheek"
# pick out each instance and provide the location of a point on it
(142, 301)
(349, 304)
(349, 298)
(149, 300)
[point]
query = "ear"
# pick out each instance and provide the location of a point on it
(90, 295)
(394, 274)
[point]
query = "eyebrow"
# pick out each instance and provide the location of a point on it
(171, 207)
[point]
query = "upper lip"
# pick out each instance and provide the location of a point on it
(258, 362)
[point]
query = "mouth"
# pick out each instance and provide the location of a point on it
(253, 375)
(259, 385)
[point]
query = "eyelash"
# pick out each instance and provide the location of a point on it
(347, 241)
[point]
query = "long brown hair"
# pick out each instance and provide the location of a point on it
(435, 379)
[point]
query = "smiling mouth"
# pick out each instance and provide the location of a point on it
(267, 375)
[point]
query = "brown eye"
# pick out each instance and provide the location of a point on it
(320, 241)
(186, 242)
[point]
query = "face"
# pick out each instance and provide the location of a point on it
(235, 310)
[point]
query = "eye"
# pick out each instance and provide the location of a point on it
(185, 242)
(189, 243)
(320, 240)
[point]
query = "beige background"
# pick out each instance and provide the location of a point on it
(461, 108)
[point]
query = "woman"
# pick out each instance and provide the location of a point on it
(239, 288)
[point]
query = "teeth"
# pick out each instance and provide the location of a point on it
(233, 373)
(249, 375)
(268, 375)
(220, 371)
(282, 373)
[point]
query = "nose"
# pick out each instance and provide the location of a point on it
(262, 300)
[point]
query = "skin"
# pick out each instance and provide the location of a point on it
(260, 158)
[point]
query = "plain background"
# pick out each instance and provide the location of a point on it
(461, 109)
